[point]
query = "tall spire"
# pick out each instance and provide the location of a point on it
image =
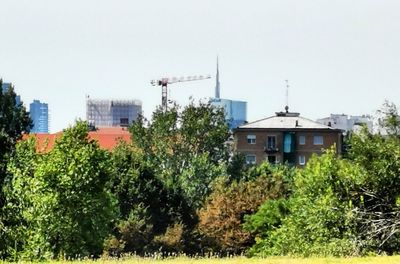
(217, 85)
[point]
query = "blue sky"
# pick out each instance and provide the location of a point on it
(339, 56)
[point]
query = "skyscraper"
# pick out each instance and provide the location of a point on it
(6, 87)
(39, 113)
(235, 111)
(112, 113)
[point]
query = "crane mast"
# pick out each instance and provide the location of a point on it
(164, 82)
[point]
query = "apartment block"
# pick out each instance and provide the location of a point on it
(285, 138)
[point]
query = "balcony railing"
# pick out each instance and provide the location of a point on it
(271, 149)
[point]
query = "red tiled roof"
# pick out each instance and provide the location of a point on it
(107, 137)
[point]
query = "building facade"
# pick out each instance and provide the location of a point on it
(285, 138)
(347, 123)
(39, 113)
(112, 113)
(235, 111)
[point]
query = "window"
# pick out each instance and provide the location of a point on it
(271, 159)
(271, 142)
(318, 140)
(302, 160)
(250, 159)
(302, 140)
(251, 139)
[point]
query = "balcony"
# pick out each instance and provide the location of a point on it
(271, 149)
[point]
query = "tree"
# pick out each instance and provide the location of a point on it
(226, 209)
(143, 200)
(378, 214)
(389, 119)
(186, 148)
(317, 219)
(62, 197)
(14, 121)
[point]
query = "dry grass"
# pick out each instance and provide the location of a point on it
(243, 260)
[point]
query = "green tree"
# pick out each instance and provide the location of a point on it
(187, 149)
(14, 121)
(318, 218)
(143, 200)
(378, 215)
(63, 200)
(13, 225)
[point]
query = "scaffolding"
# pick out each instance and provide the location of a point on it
(112, 113)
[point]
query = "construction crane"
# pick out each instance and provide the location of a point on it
(163, 82)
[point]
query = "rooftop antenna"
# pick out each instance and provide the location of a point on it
(287, 96)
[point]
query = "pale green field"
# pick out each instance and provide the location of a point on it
(243, 260)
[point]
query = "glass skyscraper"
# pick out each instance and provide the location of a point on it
(39, 113)
(235, 111)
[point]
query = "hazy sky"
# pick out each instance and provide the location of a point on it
(340, 56)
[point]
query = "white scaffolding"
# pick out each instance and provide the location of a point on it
(112, 113)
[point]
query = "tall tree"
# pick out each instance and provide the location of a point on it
(62, 197)
(187, 148)
(14, 121)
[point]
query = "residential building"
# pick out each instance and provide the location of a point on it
(347, 123)
(112, 113)
(235, 111)
(39, 113)
(285, 138)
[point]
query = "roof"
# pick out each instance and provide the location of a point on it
(285, 121)
(107, 138)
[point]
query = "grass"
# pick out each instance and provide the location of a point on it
(243, 260)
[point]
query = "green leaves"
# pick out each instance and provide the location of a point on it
(315, 220)
(61, 204)
(186, 149)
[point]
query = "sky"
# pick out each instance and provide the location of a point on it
(340, 56)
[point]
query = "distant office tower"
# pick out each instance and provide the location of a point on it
(39, 113)
(235, 111)
(112, 113)
(5, 87)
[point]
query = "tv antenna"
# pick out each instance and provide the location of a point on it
(287, 96)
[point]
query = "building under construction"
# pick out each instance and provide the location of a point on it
(112, 113)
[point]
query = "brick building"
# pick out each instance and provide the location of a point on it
(285, 137)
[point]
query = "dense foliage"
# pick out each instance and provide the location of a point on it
(58, 202)
(317, 218)
(339, 206)
(182, 153)
(223, 215)
(178, 188)
(14, 121)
